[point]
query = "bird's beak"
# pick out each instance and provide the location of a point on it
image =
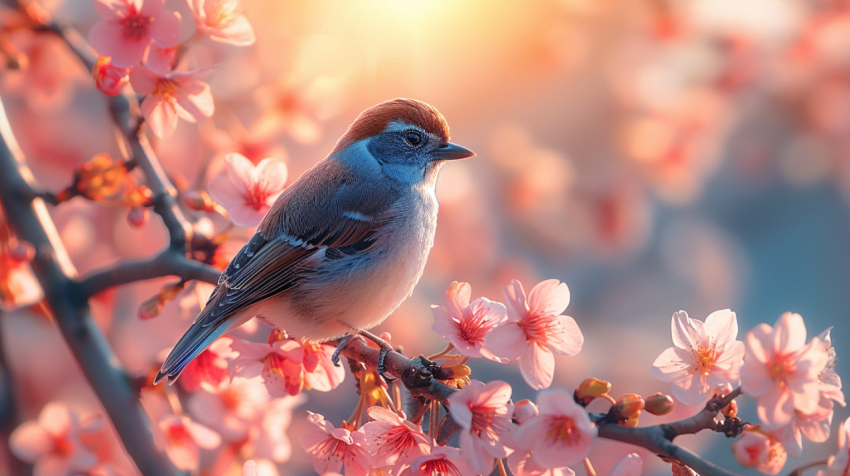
(453, 151)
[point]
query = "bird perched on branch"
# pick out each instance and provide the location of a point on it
(343, 245)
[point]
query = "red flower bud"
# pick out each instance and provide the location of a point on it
(108, 78)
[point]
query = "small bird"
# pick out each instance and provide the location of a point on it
(343, 245)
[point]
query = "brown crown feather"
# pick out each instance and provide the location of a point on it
(374, 120)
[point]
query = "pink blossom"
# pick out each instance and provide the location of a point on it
(332, 448)
(560, 435)
(703, 355)
(838, 463)
(128, 28)
(247, 192)
(781, 371)
(279, 364)
(522, 463)
(171, 95)
(269, 438)
(182, 438)
(465, 325)
(760, 450)
(442, 461)
(108, 78)
(319, 371)
(232, 410)
(209, 368)
(535, 329)
(484, 412)
(52, 443)
(221, 20)
(393, 441)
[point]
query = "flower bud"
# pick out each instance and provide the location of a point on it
(632, 421)
(628, 405)
(591, 388)
(138, 216)
(525, 410)
(659, 404)
(150, 308)
(109, 79)
(199, 200)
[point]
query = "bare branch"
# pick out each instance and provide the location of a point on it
(166, 263)
(31, 222)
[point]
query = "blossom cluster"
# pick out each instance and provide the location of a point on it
(139, 42)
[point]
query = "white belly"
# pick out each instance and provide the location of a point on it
(359, 292)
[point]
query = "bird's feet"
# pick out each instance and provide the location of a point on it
(343, 341)
(382, 358)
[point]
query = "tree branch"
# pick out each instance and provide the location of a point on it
(51, 265)
(167, 263)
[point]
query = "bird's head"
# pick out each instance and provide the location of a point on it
(408, 139)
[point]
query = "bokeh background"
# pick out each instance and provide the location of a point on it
(654, 155)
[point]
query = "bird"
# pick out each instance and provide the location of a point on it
(344, 244)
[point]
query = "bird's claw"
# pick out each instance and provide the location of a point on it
(382, 358)
(343, 341)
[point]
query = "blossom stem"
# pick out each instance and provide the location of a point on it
(588, 467)
(354, 419)
(500, 463)
(443, 352)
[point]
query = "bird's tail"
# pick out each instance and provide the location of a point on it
(193, 342)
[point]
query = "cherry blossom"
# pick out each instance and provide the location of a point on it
(108, 78)
(52, 443)
(209, 368)
(465, 324)
(484, 412)
(279, 364)
(522, 463)
(319, 371)
(332, 448)
(232, 410)
(560, 435)
(171, 95)
(535, 329)
(703, 355)
(442, 461)
(129, 27)
(760, 450)
(838, 463)
(393, 441)
(247, 191)
(221, 20)
(782, 371)
(182, 438)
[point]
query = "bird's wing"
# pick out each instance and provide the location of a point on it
(325, 208)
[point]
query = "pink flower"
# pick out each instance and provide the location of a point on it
(484, 412)
(52, 443)
(210, 368)
(278, 363)
(535, 329)
(128, 27)
(442, 461)
(108, 78)
(465, 325)
(332, 448)
(522, 463)
(222, 21)
(247, 192)
(560, 435)
(781, 371)
(760, 450)
(319, 371)
(181, 438)
(393, 441)
(703, 355)
(233, 410)
(838, 463)
(171, 95)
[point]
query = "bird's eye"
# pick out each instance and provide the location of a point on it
(413, 138)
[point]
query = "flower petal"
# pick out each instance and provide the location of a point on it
(537, 365)
(550, 297)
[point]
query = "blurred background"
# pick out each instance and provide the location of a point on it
(654, 155)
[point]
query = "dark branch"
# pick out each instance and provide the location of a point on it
(166, 263)
(29, 219)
